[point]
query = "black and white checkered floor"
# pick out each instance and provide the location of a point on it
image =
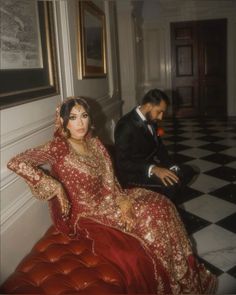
(208, 205)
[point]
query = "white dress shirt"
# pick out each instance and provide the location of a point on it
(141, 115)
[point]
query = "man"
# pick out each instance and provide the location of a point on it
(142, 159)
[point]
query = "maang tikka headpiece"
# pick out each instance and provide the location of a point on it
(78, 106)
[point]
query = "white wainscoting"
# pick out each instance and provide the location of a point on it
(23, 218)
(29, 222)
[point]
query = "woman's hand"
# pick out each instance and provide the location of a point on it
(128, 220)
(127, 214)
(64, 203)
(166, 176)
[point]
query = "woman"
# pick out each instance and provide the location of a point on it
(84, 194)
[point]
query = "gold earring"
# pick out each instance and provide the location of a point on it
(66, 132)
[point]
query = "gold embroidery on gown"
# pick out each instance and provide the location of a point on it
(94, 193)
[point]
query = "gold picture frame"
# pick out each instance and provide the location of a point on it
(37, 76)
(91, 53)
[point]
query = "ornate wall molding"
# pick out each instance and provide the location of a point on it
(10, 214)
(14, 137)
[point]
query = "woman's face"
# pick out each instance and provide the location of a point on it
(78, 123)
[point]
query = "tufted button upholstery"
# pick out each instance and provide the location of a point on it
(59, 265)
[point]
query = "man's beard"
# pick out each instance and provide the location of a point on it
(149, 119)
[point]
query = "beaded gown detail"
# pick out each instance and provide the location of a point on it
(93, 191)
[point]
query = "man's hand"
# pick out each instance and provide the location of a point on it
(166, 176)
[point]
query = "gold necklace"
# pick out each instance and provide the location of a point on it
(82, 146)
(78, 141)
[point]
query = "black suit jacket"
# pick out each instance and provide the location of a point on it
(137, 149)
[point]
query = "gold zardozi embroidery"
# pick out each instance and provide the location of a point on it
(45, 188)
(94, 192)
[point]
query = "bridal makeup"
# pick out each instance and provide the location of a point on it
(78, 123)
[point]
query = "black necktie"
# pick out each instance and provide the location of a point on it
(149, 127)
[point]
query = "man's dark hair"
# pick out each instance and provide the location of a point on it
(155, 96)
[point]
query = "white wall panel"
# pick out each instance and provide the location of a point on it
(127, 54)
(152, 43)
(31, 221)
(23, 219)
(22, 127)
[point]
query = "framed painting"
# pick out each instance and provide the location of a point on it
(28, 68)
(91, 41)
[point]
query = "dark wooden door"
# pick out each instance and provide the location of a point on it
(199, 68)
(212, 67)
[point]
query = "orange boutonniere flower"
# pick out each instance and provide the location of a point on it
(160, 131)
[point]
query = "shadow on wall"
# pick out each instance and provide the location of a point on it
(103, 126)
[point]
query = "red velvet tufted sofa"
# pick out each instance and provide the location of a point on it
(58, 265)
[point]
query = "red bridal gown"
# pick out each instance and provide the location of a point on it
(89, 182)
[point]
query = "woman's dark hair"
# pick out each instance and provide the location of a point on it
(155, 96)
(66, 108)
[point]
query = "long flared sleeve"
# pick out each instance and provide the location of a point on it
(27, 165)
